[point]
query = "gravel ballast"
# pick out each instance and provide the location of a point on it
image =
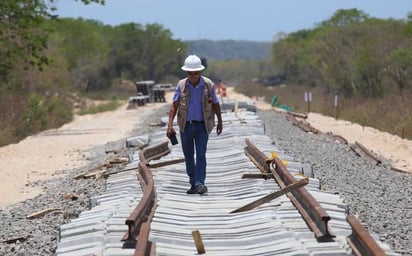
(380, 197)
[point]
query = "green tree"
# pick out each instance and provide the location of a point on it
(408, 28)
(160, 53)
(22, 40)
(335, 47)
(144, 53)
(85, 48)
(400, 68)
(342, 18)
(349, 53)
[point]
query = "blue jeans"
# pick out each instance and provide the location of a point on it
(195, 136)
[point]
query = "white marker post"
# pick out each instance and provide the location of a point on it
(335, 104)
(308, 99)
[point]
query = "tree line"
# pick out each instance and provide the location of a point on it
(88, 54)
(350, 53)
(46, 61)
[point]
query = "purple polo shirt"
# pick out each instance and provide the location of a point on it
(195, 111)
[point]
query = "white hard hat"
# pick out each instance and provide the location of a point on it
(193, 63)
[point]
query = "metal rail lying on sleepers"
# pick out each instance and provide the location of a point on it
(314, 215)
(361, 241)
(139, 220)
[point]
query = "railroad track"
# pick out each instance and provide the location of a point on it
(357, 147)
(260, 202)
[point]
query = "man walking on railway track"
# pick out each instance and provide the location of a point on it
(196, 105)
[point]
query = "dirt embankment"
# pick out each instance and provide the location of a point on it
(40, 156)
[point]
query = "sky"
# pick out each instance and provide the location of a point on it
(251, 20)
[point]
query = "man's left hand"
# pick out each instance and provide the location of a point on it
(219, 128)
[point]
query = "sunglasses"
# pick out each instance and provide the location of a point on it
(195, 73)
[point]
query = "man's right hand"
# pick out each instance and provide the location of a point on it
(170, 131)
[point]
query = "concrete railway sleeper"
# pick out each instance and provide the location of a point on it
(279, 218)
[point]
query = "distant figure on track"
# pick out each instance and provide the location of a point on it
(196, 105)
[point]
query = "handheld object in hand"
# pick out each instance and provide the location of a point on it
(173, 139)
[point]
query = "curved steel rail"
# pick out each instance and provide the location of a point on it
(139, 220)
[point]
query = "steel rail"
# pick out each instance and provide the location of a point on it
(340, 139)
(302, 125)
(139, 220)
(313, 214)
(360, 241)
(297, 114)
(364, 152)
(358, 148)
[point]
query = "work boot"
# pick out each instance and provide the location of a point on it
(201, 189)
(192, 190)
